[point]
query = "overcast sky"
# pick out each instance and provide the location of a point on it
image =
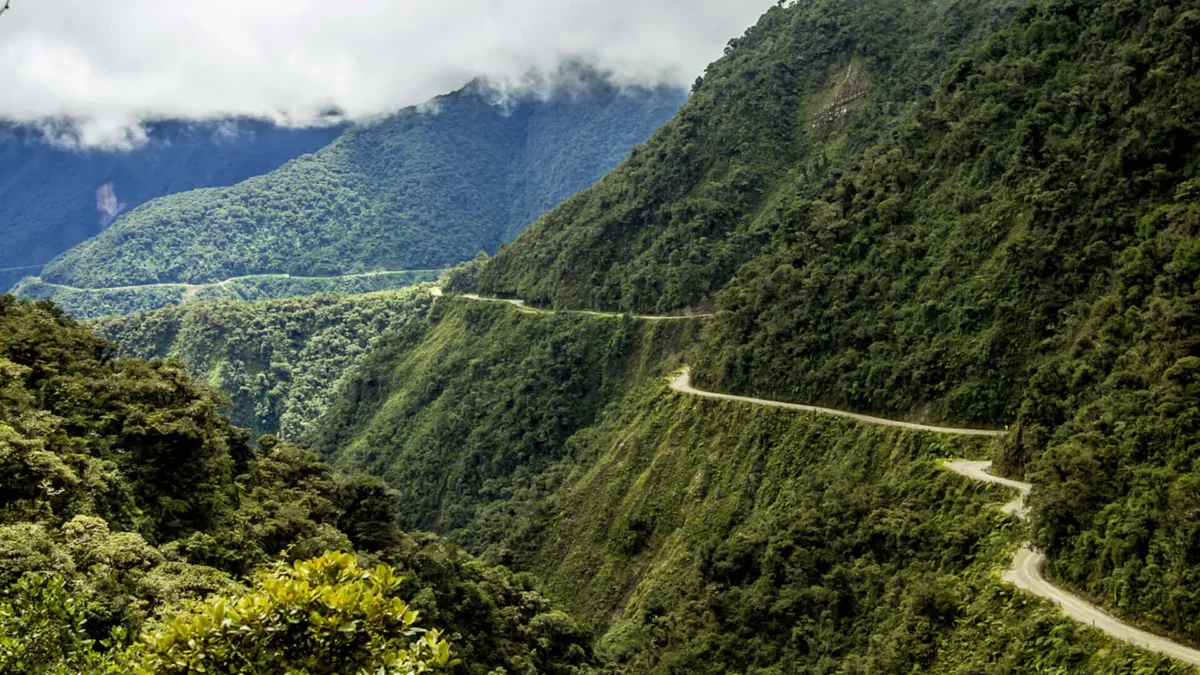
(110, 63)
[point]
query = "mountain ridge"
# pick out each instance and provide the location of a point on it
(422, 189)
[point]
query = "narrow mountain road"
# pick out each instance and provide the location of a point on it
(520, 305)
(192, 288)
(683, 383)
(1027, 571)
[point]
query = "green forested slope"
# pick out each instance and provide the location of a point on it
(465, 410)
(279, 362)
(697, 537)
(50, 196)
(1017, 249)
(991, 222)
(789, 109)
(125, 493)
(718, 538)
(422, 189)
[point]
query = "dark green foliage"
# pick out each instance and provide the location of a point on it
(140, 444)
(793, 103)
(124, 493)
(49, 193)
(1109, 430)
(1022, 252)
(992, 222)
(1016, 247)
(709, 537)
(280, 362)
(423, 189)
(464, 277)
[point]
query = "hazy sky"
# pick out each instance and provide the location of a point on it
(110, 63)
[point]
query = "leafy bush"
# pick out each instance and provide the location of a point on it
(42, 632)
(322, 616)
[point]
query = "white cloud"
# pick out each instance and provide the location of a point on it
(109, 64)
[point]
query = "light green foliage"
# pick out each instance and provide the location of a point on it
(423, 189)
(279, 362)
(325, 615)
(42, 632)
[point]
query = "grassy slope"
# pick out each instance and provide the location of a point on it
(465, 411)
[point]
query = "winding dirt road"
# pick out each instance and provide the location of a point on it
(683, 383)
(1027, 571)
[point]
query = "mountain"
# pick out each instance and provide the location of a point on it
(423, 189)
(52, 197)
(869, 218)
(1013, 245)
(695, 536)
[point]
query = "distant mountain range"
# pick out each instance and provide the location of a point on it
(52, 198)
(425, 188)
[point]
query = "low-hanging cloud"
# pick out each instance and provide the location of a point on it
(107, 65)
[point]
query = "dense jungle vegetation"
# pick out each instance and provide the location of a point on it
(90, 303)
(125, 494)
(49, 191)
(423, 189)
(280, 362)
(791, 106)
(696, 537)
(981, 213)
(1016, 248)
